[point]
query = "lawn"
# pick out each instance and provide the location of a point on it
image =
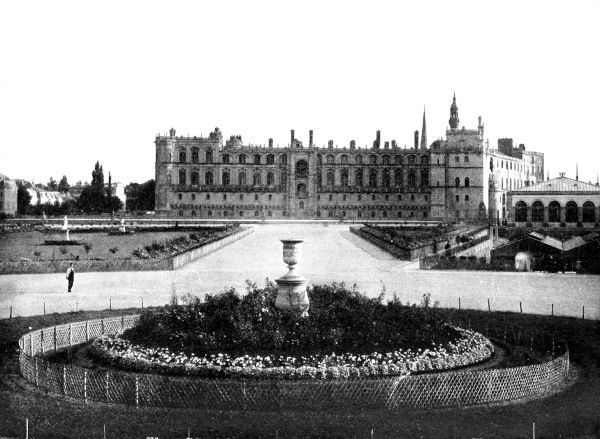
(575, 412)
(30, 244)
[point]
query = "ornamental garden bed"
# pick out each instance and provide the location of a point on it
(345, 335)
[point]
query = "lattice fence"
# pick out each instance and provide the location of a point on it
(431, 390)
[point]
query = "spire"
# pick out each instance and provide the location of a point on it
(548, 178)
(424, 132)
(577, 171)
(453, 114)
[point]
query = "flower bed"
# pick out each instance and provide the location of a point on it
(233, 336)
(470, 349)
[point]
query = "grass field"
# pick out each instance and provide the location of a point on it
(24, 245)
(574, 412)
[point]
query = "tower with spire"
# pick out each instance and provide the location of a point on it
(424, 132)
(454, 114)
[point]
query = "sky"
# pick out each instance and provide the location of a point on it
(87, 81)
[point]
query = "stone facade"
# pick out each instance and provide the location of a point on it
(8, 196)
(450, 179)
(559, 200)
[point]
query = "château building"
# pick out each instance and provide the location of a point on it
(8, 196)
(457, 179)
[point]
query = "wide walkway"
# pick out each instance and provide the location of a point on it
(330, 254)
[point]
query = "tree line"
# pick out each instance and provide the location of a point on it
(95, 198)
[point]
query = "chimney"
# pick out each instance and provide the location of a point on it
(353, 144)
(271, 142)
(416, 139)
(386, 144)
(292, 142)
(172, 132)
(330, 144)
(394, 144)
(310, 138)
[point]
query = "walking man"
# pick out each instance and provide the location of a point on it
(70, 276)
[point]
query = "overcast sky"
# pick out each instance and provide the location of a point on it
(82, 81)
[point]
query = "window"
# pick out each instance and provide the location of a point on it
(257, 159)
(359, 196)
(301, 191)
(182, 156)
(301, 204)
(399, 197)
(195, 156)
(343, 213)
(195, 178)
(359, 214)
(193, 197)
(387, 197)
(180, 196)
(457, 198)
(270, 159)
(571, 212)
(208, 178)
(241, 213)
(209, 213)
(456, 159)
(384, 213)
(521, 212)
(270, 197)
(398, 160)
(466, 198)
(373, 197)
(344, 159)
(225, 213)
(359, 159)
(241, 196)
(330, 178)
(344, 197)
(181, 213)
(330, 197)
(255, 197)
(269, 213)
(209, 156)
(537, 212)
(386, 159)
(358, 178)
(412, 179)
(208, 196)
(319, 213)
(424, 178)
(302, 168)
(467, 182)
(385, 178)
(424, 160)
(398, 177)
(412, 197)
(242, 159)
(256, 213)
(372, 159)
(225, 158)
(466, 159)
(242, 178)
(411, 160)
(457, 182)
(224, 196)
(182, 176)
(399, 214)
(372, 214)
(424, 214)
(330, 214)
(270, 179)
(226, 178)
(256, 180)
(344, 177)
(283, 159)
(373, 178)
(330, 159)
(412, 214)
(589, 215)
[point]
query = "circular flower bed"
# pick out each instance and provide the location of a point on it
(346, 335)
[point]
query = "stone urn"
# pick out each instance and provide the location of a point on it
(291, 288)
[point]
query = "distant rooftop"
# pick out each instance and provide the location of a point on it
(560, 184)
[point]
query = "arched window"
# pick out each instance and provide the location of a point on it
(424, 160)
(537, 212)
(301, 168)
(208, 178)
(344, 177)
(344, 159)
(330, 178)
(283, 179)
(270, 159)
(225, 213)
(182, 156)
(411, 160)
(182, 176)
(372, 159)
(301, 204)
(358, 177)
(226, 180)
(386, 159)
(424, 178)
(359, 159)
(195, 156)
(398, 160)
(554, 212)
(319, 159)
(372, 214)
(209, 213)
(181, 213)
(457, 182)
(571, 212)
(256, 213)
(269, 213)
(589, 212)
(242, 159)
(386, 180)
(256, 179)
(256, 159)
(492, 164)
(209, 156)
(412, 179)
(372, 178)
(301, 191)
(169, 157)
(225, 158)
(242, 178)
(283, 159)
(467, 182)
(193, 213)
(521, 212)
(398, 177)
(241, 213)
(319, 179)
(270, 179)
(330, 159)
(195, 178)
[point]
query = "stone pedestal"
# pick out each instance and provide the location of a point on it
(122, 227)
(291, 288)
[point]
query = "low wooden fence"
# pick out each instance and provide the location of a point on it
(424, 391)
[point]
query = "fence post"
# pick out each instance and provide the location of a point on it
(137, 391)
(122, 323)
(70, 334)
(583, 313)
(102, 321)
(85, 385)
(459, 303)
(521, 307)
(64, 379)
(35, 366)
(489, 308)
(55, 339)
(31, 344)
(107, 377)
(552, 309)
(42, 341)
(87, 331)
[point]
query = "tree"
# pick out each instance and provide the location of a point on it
(140, 197)
(52, 185)
(23, 199)
(98, 178)
(63, 185)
